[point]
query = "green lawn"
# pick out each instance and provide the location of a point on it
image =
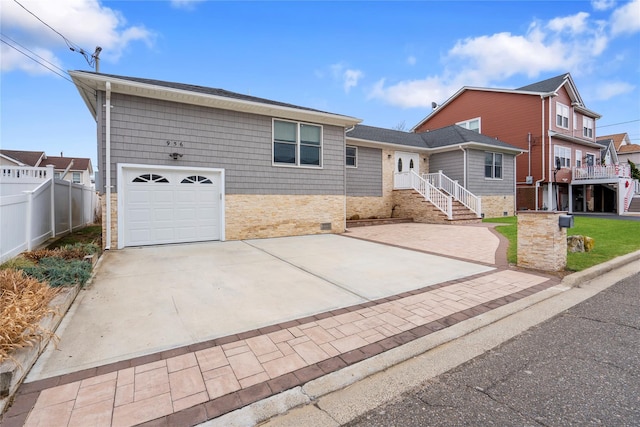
(612, 237)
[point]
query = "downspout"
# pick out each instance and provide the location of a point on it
(542, 154)
(108, 162)
(344, 178)
(464, 166)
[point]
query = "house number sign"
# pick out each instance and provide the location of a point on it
(173, 143)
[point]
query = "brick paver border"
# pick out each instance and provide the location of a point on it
(28, 393)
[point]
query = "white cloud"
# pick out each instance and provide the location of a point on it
(626, 19)
(602, 4)
(609, 90)
(411, 60)
(571, 43)
(84, 23)
(347, 76)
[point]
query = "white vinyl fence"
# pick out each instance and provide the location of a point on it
(52, 208)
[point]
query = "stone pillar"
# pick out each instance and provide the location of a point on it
(542, 244)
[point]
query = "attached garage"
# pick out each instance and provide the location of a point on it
(162, 204)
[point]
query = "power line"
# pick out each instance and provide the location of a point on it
(35, 60)
(32, 52)
(616, 124)
(91, 60)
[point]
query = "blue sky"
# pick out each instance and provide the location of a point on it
(382, 62)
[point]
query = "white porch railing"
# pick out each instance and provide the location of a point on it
(459, 193)
(602, 172)
(411, 180)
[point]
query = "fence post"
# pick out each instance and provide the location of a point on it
(52, 180)
(29, 216)
(70, 204)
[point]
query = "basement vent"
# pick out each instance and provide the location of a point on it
(325, 226)
(505, 213)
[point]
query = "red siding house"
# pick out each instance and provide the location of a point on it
(562, 168)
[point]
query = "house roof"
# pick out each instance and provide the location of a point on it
(629, 148)
(79, 163)
(449, 137)
(88, 83)
(27, 158)
(619, 139)
(543, 88)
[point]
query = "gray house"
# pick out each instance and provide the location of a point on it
(476, 173)
(184, 163)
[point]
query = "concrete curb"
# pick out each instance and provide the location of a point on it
(341, 396)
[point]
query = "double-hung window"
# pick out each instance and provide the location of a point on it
(297, 144)
(351, 159)
(473, 124)
(76, 177)
(564, 155)
(578, 158)
(562, 115)
(587, 127)
(493, 165)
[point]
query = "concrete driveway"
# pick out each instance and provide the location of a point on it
(145, 300)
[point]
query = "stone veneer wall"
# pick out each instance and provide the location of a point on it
(259, 216)
(411, 204)
(542, 244)
(496, 206)
(369, 206)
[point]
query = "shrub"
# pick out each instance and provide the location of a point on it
(24, 301)
(17, 263)
(60, 272)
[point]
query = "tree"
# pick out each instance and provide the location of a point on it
(635, 172)
(400, 126)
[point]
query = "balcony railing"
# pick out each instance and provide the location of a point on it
(602, 172)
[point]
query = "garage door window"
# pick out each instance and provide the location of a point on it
(196, 179)
(150, 177)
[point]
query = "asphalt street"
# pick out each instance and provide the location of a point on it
(581, 367)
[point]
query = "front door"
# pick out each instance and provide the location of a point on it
(405, 162)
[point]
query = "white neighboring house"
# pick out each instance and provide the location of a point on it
(78, 170)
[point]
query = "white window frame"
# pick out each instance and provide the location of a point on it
(587, 127)
(564, 153)
(575, 122)
(78, 175)
(297, 163)
(562, 115)
(578, 158)
(595, 158)
(493, 166)
(355, 157)
(467, 124)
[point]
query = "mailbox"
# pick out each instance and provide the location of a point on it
(565, 221)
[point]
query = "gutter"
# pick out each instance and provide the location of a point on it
(108, 163)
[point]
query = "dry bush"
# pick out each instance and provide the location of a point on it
(38, 254)
(24, 301)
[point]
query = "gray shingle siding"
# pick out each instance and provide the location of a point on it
(450, 163)
(366, 179)
(481, 186)
(238, 142)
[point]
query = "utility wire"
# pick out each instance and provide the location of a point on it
(71, 45)
(616, 124)
(35, 60)
(32, 52)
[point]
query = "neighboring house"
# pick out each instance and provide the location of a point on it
(379, 161)
(74, 169)
(624, 148)
(550, 120)
(187, 163)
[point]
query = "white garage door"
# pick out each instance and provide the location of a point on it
(169, 205)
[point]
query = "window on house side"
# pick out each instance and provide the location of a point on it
(590, 159)
(587, 127)
(578, 158)
(562, 115)
(564, 154)
(351, 159)
(493, 165)
(575, 122)
(297, 144)
(76, 177)
(473, 124)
